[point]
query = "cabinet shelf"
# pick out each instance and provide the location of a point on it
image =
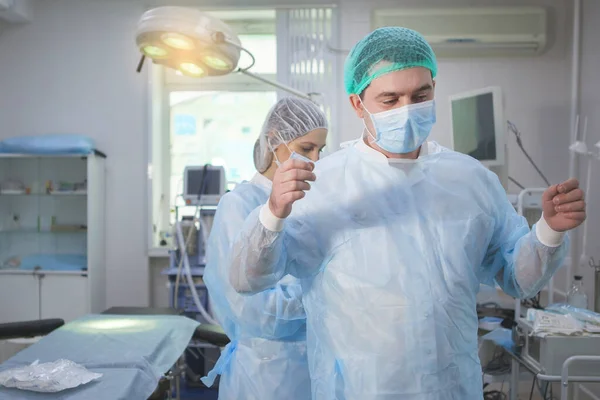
(34, 231)
(53, 194)
(52, 243)
(9, 271)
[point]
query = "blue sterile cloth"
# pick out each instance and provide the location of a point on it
(132, 352)
(501, 337)
(48, 144)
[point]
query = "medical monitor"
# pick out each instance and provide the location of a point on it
(478, 125)
(203, 185)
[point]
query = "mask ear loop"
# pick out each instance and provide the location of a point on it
(273, 150)
(372, 138)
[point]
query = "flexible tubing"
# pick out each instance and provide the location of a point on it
(188, 275)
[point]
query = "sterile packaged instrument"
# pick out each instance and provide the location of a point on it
(549, 323)
(48, 377)
(586, 316)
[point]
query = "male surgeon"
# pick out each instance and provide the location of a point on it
(392, 236)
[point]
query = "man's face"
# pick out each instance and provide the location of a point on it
(394, 90)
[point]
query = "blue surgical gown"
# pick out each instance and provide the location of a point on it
(266, 358)
(391, 256)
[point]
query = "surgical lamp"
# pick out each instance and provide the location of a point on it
(194, 43)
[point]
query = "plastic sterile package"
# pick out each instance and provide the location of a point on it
(47, 377)
(550, 323)
(580, 314)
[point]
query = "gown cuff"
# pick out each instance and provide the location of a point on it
(270, 221)
(548, 236)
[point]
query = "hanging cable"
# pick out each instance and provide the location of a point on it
(513, 180)
(513, 128)
(184, 263)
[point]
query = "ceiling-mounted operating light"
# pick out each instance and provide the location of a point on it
(191, 37)
(177, 41)
(198, 44)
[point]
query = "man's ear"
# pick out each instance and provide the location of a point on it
(356, 104)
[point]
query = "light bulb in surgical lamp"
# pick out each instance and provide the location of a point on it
(154, 51)
(178, 41)
(191, 69)
(216, 63)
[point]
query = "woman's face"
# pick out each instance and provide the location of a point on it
(309, 145)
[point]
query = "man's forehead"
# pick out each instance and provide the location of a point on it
(403, 82)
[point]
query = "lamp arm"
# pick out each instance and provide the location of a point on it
(219, 37)
(283, 87)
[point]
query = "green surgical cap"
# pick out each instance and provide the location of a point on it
(383, 51)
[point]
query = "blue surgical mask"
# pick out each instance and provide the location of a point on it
(402, 130)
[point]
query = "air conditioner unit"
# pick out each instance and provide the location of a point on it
(6, 4)
(475, 31)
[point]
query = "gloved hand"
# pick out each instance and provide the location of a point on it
(289, 183)
(563, 206)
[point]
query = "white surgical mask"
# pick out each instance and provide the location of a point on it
(402, 130)
(293, 154)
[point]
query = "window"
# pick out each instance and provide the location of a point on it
(264, 50)
(212, 120)
(231, 124)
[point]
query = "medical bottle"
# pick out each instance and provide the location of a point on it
(576, 296)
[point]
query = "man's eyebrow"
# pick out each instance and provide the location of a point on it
(423, 88)
(388, 94)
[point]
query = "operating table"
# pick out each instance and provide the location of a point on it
(138, 351)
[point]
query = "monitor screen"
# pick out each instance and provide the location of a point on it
(474, 126)
(212, 184)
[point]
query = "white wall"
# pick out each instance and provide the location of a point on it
(72, 70)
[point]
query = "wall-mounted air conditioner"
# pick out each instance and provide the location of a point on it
(6, 4)
(475, 31)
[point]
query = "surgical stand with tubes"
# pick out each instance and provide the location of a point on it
(138, 351)
(567, 360)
